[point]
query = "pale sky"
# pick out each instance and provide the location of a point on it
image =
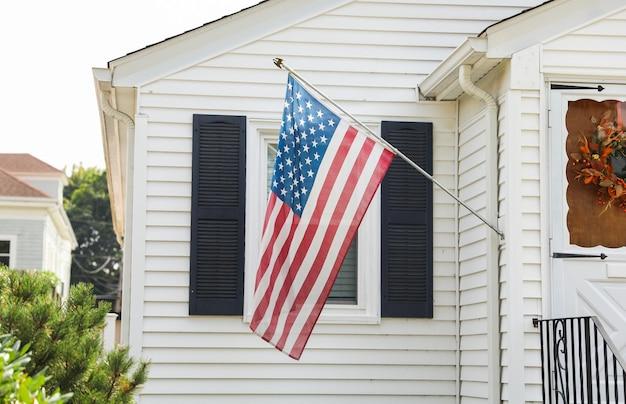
(47, 99)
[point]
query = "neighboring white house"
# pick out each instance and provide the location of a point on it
(455, 323)
(35, 232)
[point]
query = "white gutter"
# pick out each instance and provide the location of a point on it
(491, 213)
(440, 79)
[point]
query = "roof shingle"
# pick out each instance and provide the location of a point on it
(24, 163)
(11, 186)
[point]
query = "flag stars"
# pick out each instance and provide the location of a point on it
(306, 129)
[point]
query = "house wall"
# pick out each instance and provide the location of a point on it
(29, 239)
(596, 50)
(53, 187)
(369, 56)
(474, 267)
(521, 251)
(515, 84)
(57, 256)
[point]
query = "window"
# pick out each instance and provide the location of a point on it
(355, 297)
(7, 251)
(388, 271)
(344, 290)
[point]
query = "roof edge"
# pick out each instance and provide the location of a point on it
(470, 51)
(213, 39)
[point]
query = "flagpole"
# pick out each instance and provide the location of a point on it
(281, 64)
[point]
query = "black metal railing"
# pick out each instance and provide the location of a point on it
(579, 362)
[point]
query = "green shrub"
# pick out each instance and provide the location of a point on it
(16, 386)
(66, 338)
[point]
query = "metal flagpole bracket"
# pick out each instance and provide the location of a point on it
(280, 63)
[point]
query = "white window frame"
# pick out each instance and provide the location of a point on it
(12, 248)
(260, 133)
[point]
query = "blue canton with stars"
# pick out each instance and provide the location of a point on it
(306, 129)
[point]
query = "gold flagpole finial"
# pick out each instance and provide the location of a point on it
(278, 62)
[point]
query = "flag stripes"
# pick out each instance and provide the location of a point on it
(301, 256)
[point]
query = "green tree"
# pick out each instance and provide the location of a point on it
(98, 257)
(17, 386)
(65, 338)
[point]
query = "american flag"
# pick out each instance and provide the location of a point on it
(325, 175)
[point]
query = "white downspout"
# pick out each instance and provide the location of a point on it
(493, 240)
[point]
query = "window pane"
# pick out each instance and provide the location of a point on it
(4, 260)
(344, 290)
(5, 246)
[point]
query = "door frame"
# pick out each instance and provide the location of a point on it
(557, 185)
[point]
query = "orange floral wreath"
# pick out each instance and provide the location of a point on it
(596, 162)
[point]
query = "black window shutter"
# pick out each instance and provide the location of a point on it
(407, 224)
(217, 215)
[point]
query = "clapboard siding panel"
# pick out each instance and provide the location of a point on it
(369, 56)
(261, 398)
(531, 243)
(472, 170)
(529, 235)
(596, 49)
(312, 387)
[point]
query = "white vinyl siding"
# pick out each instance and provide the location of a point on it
(473, 256)
(369, 56)
(28, 239)
(595, 50)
